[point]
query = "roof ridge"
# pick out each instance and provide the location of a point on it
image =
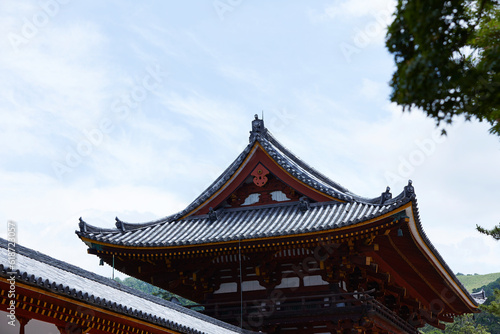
(277, 152)
(303, 164)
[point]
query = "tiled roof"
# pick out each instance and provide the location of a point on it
(34, 268)
(288, 161)
(479, 297)
(243, 223)
(173, 230)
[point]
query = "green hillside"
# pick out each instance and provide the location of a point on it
(476, 281)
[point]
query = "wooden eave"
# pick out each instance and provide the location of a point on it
(409, 260)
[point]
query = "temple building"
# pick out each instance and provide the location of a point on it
(277, 247)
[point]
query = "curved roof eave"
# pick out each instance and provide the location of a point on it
(434, 256)
(234, 224)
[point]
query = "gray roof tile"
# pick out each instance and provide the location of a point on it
(252, 222)
(247, 223)
(65, 279)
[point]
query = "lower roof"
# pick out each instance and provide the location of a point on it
(34, 268)
(242, 224)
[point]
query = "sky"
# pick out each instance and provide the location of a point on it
(128, 109)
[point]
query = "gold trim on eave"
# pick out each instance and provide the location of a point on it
(431, 256)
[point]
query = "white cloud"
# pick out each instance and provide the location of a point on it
(52, 86)
(475, 254)
(346, 9)
(47, 212)
(374, 89)
(247, 76)
(213, 116)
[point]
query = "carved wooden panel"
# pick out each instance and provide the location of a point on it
(264, 189)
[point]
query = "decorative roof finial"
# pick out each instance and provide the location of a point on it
(82, 225)
(119, 224)
(385, 196)
(303, 204)
(257, 128)
(212, 215)
(409, 190)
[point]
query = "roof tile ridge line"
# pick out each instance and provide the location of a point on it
(224, 211)
(303, 172)
(306, 166)
(86, 228)
(377, 200)
(219, 181)
(214, 186)
(123, 226)
(435, 251)
(301, 163)
(209, 191)
(386, 208)
(65, 266)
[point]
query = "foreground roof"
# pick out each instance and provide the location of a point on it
(61, 278)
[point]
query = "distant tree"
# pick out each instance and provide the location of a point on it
(155, 291)
(428, 329)
(446, 54)
(494, 232)
(490, 315)
(465, 324)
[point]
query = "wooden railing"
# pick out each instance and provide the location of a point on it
(286, 309)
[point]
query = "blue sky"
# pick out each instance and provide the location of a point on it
(124, 109)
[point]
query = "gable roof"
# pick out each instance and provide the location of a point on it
(34, 268)
(262, 146)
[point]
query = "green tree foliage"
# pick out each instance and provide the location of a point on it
(138, 285)
(488, 320)
(494, 232)
(492, 305)
(153, 290)
(428, 329)
(464, 324)
(490, 315)
(447, 55)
